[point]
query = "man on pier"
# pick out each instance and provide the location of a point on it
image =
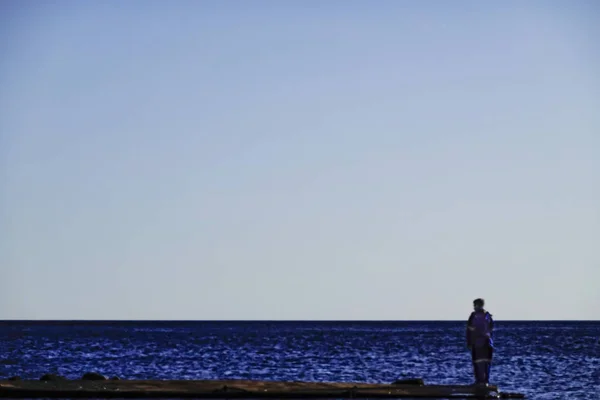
(480, 341)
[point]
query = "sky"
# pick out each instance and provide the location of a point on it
(299, 160)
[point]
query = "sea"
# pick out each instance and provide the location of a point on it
(543, 360)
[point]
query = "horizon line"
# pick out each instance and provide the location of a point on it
(286, 320)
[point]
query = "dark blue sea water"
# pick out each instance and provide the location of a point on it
(545, 360)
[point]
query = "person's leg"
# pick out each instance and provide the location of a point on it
(489, 364)
(473, 358)
(480, 363)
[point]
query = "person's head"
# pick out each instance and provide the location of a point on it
(478, 304)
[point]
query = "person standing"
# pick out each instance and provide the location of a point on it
(480, 327)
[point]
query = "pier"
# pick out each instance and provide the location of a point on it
(240, 389)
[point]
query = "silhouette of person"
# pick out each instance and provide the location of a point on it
(480, 327)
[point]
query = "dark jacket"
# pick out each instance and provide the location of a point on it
(480, 329)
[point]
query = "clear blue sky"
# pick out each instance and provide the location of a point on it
(299, 159)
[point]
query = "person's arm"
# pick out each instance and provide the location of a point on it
(469, 330)
(491, 326)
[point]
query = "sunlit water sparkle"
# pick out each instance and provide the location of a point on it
(544, 360)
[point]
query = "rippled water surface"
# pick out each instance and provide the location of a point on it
(545, 360)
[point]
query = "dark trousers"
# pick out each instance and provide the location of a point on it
(482, 362)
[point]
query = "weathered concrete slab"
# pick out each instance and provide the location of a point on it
(231, 389)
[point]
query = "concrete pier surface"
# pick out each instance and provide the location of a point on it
(232, 389)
